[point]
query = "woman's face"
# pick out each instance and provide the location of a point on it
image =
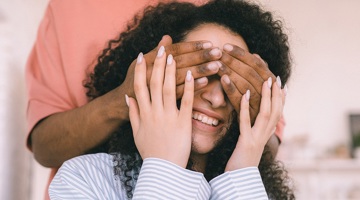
(211, 109)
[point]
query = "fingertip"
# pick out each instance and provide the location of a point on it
(247, 95)
(140, 58)
(189, 76)
(226, 79)
(127, 100)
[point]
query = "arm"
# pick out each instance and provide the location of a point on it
(169, 181)
(242, 184)
(91, 177)
(64, 135)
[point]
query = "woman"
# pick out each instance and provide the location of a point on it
(166, 154)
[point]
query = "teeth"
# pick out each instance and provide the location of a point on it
(205, 119)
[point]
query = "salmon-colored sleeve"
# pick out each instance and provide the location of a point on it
(47, 89)
(280, 126)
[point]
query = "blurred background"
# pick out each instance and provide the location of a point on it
(322, 110)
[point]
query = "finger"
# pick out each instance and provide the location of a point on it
(179, 48)
(197, 57)
(140, 86)
(241, 69)
(263, 117)
(165, 41)
(169, 94)
(188, 97)
(206, 69)
(198, 84)
(157, 80)
(285, 92)
(244, 115)
(187, 47)
(234, 96)
(134, 114)
(252, 60)
(276, 105)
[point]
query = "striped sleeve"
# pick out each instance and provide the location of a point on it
(86, 177)
(244, 184)
(160, 179)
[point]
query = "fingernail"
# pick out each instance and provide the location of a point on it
(278, 81)
(169, 59)
(188, 76)
(247, 95)
(207, 45)
(269, 82)
(127, 100)
(285, 90)
(228, 47)
(201, 80)
(161, 51)
(213, 66)
(139, 58)
(215, 52)
(226, 79)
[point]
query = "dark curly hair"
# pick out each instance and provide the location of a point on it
(263, 35)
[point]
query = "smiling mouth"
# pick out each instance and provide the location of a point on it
(205, 119)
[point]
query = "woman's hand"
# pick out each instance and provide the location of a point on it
(252, 140)
(160, 129)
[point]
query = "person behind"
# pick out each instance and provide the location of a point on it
(163, 153)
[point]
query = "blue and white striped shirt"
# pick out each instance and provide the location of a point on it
(92, 177)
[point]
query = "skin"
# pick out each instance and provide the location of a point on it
(163, 131)
(71, 133)
(64, 135)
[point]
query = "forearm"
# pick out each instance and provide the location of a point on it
(65, 135)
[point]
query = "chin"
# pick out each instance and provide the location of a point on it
(202, 145)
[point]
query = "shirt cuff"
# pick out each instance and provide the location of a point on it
(245, 183)
(161, 179)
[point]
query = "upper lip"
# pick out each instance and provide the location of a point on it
(210, 113)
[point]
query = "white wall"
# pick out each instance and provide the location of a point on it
(18, 24)
(323, 89)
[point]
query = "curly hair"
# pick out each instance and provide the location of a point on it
(263, 34)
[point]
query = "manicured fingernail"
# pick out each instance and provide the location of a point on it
(139, 58)
(127, 100)
(278, 81)
(169, 59)
(207, 45)
(226, 79)
(269, 82)
(188, 76)
(215, 52)
(285, 89)
(201, 80)
(228, 47)
(247, 95)
(161, 51)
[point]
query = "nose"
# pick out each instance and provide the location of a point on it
(214, 94)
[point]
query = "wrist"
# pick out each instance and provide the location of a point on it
(115, 106)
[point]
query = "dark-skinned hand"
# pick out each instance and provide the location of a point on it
(242, 71)
(199, 57)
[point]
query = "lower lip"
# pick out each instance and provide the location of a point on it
(204, 127)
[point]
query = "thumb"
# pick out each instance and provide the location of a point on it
(134, 114)
(165, 41)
